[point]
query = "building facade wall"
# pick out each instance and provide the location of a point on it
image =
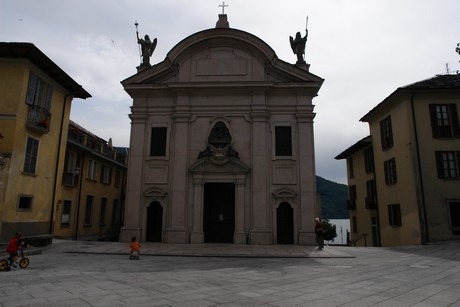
(217, 84)
(16, 129)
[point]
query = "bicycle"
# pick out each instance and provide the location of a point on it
(22, 260)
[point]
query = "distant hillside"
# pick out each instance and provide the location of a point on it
(333, 198)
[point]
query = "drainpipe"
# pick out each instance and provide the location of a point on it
(80, 184)
(422, 207)
(56, 171)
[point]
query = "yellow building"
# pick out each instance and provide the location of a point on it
(35, 102)
(93, 185)
(411, 193)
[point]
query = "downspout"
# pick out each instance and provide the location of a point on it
(80, 184)
(56, 172)
(422, 215)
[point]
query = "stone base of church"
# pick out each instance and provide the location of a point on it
(260, 237)
(239, 238)
(126, 233)
(307, 238)
(176, 236)
(197, 237)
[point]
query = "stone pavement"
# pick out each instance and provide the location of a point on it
(70, 273)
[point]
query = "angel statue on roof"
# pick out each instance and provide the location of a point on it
(147, 47)
(298, 45)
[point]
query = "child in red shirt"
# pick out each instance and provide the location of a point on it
(135, 247)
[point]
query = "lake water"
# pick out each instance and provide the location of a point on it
(342, 226)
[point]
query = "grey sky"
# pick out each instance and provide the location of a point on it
(364, 49)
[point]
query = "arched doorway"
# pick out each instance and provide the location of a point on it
(285, 224)
(219, 212)
(154, 222)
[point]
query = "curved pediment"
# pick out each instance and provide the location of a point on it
(206, 165)
(284, 194)
(213, 56)
(155, 193)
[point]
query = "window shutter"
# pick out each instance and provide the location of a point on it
(458, 164)
(434, 121)
(31, 88)
(382, 135)
(390, 132)
(454, 120)
(439, 164)
(385, 168)
(49, 95)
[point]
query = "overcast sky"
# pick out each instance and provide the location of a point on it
(364, 49)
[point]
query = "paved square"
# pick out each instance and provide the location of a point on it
(99, 274)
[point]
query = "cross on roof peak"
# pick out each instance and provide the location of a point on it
(223, 6)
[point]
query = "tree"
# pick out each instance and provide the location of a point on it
(329, 230)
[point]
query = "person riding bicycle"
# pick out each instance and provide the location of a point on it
(14, 245)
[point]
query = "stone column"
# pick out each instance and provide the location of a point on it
(133, 212)
(307, 174)
(261, 232)
(197, 235)
(177, 231)
(239, 237)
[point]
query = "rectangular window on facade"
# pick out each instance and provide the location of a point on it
(31, 155)
(38, 98)
(106, 174)
(371, 197)
(351, 172)
(448, 164)
(158, 141)
(115, 212)
(71, 169)
(92, 169)
(117, 178)
(394, 215)
(25, 203)
(368, 160)
(352, 197)
(88, 210)
(390, 171)
(103, 209)
(66, 209)
(454, 212)
(444, 120)
(386, 133)
(283, 141)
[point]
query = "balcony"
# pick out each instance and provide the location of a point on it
(38, 119)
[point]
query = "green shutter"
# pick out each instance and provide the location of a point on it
(454, 120)
(31, 88)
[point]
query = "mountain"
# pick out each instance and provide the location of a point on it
(333, 198)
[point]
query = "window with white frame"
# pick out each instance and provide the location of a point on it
(92, 169)
(31, 155)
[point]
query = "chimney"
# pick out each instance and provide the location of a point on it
(222, 22)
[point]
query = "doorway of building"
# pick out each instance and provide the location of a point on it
(285, 224)
(219, 212)
(154, 222)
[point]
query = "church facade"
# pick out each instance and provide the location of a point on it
(222, 145)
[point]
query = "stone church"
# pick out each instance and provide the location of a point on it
(222, 147)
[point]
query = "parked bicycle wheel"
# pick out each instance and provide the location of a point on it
(24, 263)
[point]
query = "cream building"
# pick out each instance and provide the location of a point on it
(35, 102)
(222, 145)
(404, 178)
